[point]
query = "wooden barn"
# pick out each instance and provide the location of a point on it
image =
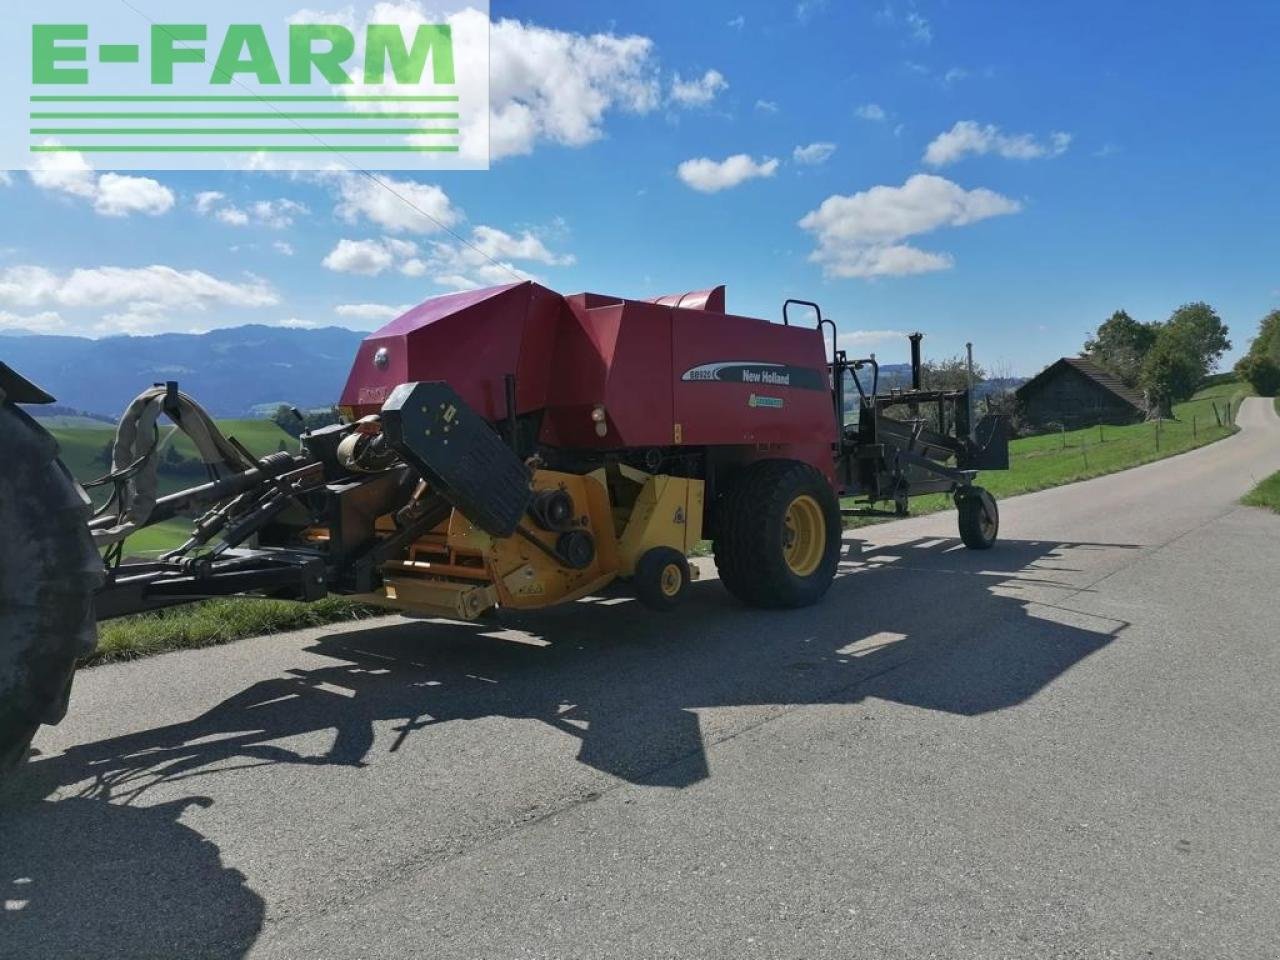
(1077, 392)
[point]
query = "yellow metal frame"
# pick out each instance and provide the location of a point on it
(667, 513)
(461, 572)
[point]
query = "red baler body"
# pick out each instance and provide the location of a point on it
(665, 375)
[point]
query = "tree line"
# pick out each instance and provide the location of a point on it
(1260, 367)
(1166, 360)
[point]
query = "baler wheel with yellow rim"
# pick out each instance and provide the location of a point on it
(778, 535)
(662, 578)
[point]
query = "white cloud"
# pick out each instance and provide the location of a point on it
(232, 217)
(297, 323)
(369, 311)
(814, 154)
(806, 10)
(119, 196)
(915, 24)
(919, 27)
(501, 245)
(148, 298)
(709, 176)
(556, 86)
(277, 214)
(44, 322)
(871, 111)
(954, 75)
(366, 257)
(207, 200)
(968, 137)
(397, 206)
(112, 194)
(738, 22)
(274, 214)
(861, 235)
(5, 179)
(766, 106)
(490, 258)
(700, 91)
(27, 286)
(487, 258)
(283, 248)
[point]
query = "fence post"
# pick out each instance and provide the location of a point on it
(1100, 437)
(1064, 436)
(1217, 416)
(1195, 433)
(1158, 421)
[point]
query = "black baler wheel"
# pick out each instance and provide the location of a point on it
(49, 570)
(662, 578)
(979, 519)
(778, 535)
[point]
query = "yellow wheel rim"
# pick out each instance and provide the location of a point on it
(671, 580)
(804, 535)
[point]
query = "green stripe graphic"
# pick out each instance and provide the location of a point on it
(262, 148)
(346, 115)
(175, 98)
(241, 131)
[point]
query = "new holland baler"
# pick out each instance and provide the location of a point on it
(499, 448)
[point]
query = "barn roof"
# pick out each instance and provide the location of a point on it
(1095, 372)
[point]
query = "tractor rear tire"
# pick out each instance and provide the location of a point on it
(979, 520)
(49, 570)
(778, 532)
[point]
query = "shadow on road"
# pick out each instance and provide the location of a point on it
(925, 623)
(83, 878)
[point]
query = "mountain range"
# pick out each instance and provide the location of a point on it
(234, 372)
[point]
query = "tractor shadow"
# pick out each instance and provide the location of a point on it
(924, 623)
(84, 878)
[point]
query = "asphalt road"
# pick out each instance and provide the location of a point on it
(1068, 746)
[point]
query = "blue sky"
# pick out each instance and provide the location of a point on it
(1008, 173)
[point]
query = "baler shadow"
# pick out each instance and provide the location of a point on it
(924, 623)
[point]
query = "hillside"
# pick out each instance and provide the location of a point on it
(235, 372)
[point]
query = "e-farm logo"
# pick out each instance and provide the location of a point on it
(391, 86)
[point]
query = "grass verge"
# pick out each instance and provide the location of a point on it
(1267, 493)
(215, 622)
(1036, 463)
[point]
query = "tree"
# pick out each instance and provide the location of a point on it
(1201, 332)
(1268, 340)
(1260, 367)
(1121, 344)
(1170, 373)
(1260, 372)
(949, 373)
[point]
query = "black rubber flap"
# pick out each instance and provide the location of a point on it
(459, 454)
